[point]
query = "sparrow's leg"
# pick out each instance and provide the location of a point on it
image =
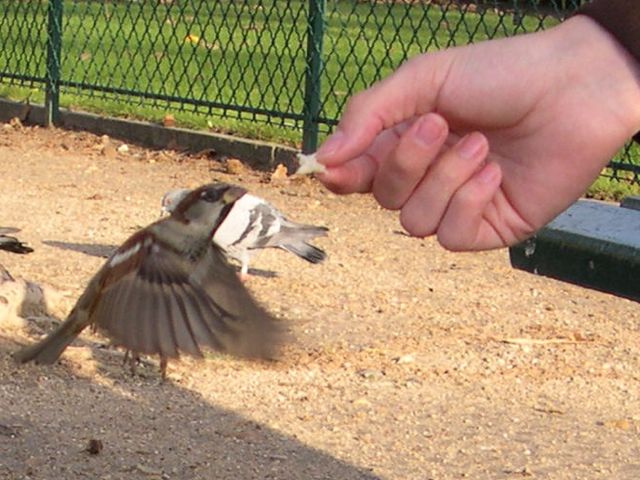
(133, 359)
(163, 367)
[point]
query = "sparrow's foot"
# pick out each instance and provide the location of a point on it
(133, 359)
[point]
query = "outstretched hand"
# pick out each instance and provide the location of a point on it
(484, 144)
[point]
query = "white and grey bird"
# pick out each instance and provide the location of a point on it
(254, 224)
(12, 244)
(169, 290)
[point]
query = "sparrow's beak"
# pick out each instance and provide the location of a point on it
(232, 194)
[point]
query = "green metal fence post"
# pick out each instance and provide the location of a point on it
(54, 48)
(315, 32)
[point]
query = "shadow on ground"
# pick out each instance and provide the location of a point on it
(132, 417)
(93, 249)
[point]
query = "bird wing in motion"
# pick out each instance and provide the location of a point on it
(169, 304)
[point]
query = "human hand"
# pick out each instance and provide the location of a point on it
(484, 144)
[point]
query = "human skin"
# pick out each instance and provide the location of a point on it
(484, 144)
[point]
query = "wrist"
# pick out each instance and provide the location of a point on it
(604, 63)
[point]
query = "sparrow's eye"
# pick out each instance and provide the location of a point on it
(212, 195)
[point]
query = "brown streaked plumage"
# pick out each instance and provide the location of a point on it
(168, 290)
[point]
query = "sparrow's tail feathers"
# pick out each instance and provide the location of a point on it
(47, 351)
(306, 251)
(12, 244)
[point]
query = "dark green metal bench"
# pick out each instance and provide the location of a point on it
(592, 244)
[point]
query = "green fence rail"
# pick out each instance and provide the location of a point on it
(272, 69)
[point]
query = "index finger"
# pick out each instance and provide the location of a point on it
(410, 91)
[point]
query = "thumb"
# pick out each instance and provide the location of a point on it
(410, 91)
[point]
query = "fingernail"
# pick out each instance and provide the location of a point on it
(330, 145)
(430, 130)
(470, 145)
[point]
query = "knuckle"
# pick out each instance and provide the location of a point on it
(403, 168)
(416, 225)
(386, 198)
(445, 176)
(357, 102)
(448, 241)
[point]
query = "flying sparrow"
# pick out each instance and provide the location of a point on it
(169, 290)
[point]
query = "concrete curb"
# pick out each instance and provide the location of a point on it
(260, 155)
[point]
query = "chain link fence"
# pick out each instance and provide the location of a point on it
(273, 69)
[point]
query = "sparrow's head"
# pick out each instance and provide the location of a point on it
(171, 199)
(208, 205)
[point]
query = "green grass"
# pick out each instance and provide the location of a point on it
(247, 53)
(250, 54)
(615, 185)
(605, 188)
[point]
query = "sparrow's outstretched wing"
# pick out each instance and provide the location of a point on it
(168, 290)
(170, 304)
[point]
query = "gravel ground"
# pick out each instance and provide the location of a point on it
(408, 362)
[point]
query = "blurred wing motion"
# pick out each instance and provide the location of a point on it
(169, 290)
(169, 305)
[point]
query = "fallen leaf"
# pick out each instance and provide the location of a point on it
(234, 166)
(169, 121)
(279, 174)
(108, 150)
(192, 38)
